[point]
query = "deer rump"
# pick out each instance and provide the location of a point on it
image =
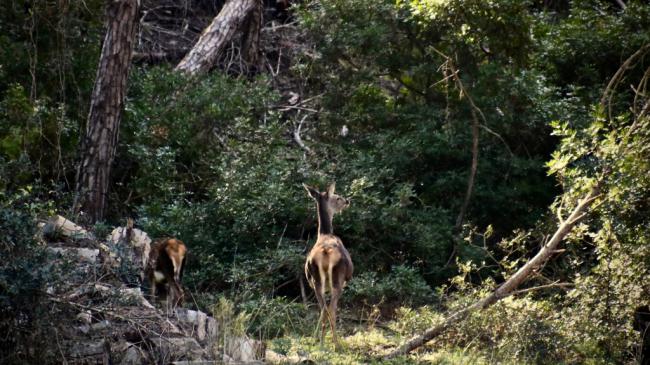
(334, 261)
(165, 271)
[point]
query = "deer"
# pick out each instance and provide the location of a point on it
(165, 269)
(329, 265)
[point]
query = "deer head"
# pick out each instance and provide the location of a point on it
(332, 202)
(328, 204)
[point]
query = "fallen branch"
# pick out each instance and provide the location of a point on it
(511, 284)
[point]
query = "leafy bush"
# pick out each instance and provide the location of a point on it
(24, 273)
(276, 317)
(402, 285)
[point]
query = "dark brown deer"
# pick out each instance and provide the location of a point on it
(329, 266)
(165, 269)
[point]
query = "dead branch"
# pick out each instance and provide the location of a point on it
(606, 99)
(542, 287)
(158, 57)
(512, 283)
(298, 139)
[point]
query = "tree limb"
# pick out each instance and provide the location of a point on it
(512, 283)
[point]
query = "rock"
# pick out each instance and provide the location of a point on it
(212, 329)
(85, 254)
(139, 240)
(244, 349)
(93, 352)
(59, 226)
(84, 317)
(197, 321)
(133, 356)
(128, 353)
(101, 326)
(85, 329)
(136, 296)
(129, 246)
(178, 348)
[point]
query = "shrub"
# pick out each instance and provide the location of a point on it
(25, 270)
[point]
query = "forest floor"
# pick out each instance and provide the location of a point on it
(365, 342)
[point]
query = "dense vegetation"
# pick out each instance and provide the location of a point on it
(211, 160)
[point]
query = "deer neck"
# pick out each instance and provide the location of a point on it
(324, 220)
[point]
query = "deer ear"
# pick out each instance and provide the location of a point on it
(330, 189)
(311, 191)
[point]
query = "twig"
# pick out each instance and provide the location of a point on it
(284, 108)
(541, 287)
(303, 292)
(487, 129)
(58, 345)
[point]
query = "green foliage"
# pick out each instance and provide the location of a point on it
(275, 317)
(24, 272)
(587, 47)
(402, 285)
(518, 329)
(48, 58)
(211, 160)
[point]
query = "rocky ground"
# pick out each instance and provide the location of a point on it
(108, 319)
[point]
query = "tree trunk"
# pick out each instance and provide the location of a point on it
(511, 284)
(98, 144)
(215, 37)
(251, 44)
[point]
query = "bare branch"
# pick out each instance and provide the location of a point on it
(298, 139)
(508, 287)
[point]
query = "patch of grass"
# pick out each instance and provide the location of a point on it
(363, 347)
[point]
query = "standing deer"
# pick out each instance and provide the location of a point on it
(328, 265)
(165, 268)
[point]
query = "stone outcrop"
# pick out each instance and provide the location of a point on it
(111, 320)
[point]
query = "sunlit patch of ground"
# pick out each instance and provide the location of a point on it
(362, 347)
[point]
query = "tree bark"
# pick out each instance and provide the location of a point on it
(205, 52)
(251, 44)
(100, 140)
(512, 283)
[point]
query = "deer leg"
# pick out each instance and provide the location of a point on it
(178, 294)
(152, 289)
(171, 297)
(318, 290)
(336, 294)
